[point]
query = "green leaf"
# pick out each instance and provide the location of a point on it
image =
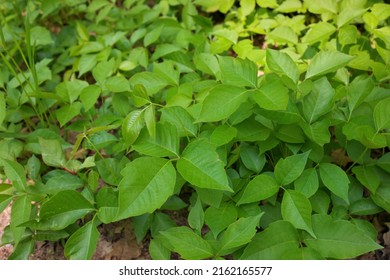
(221, 102)
(307, 183)
(382, 197)
(146, 185)
(140, 96)
(61, 181)
(287, 170)
(150, 121)
(158, 251)
(188, 244)
(304, 253)
(251, 130)
(40, 36)
(349, 10)
(68, 112)
(196, 216)
(213, 217)
(132, 126)
(109, 170)
(117, 84)
(325, 62)
(319, 101)
(20, 213)
(381, 114)
(222, 135)
(238, 72)
(283, 35)
(238, 234)
(200, 166)
(89, 96)
(62, 210)
(251, 158)
(319, 32)
(265, 246)
(335, 179)
(52, 153)
(296, 209)
(165, 144)
(16, 173)
(259, 188)
(368, 176)
(339, 239)
(2, 109)
(23, 249)
(358, 91)
(82, 243)
(179, 117)
(282, 64)
(272, 95)
(152, 82)
(384, 162)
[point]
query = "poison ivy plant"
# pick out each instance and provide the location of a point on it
(264, 124)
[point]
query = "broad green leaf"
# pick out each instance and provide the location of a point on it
(251, 130)
(62, 181)
(282, 64)
(86, 63)
(2, 109)
(259, 188)
(89, 96)
(188, 244)
(319, 32)
(132, 126)
(62, 210)
(147, 183)
(5, 200)
(272, 95)
(196, 216)
(335, 179)
(283, 35)
(339, 239)
(152, 82)
(247, 7)
(20, 213)
(23, 249)
(165, 144)
(207, 63)
(52, 153)
(350, 10)
(265, 246)
(325, 62)
(238, 234)
(16, 173)
(319, 101)
(307, 183)
(200, 166)
(251, 158)
(317, 131)
(158, 251)
(290, 134)
(368, 176)
(358, 91)
(103, 70)
(222, 102)
(109, 170)
(348, 34)
(303, 253)
(68, 112)
(140, 96)
(222, 135)
(82, 243)
(287, 170)
(150, 121)
(381, 114)
(179, 117)
(117, 84)
(384, 162)
(40, 36)
(296, 209)
(212, 217)
(382, 197)
(238, 72)
(364, 206)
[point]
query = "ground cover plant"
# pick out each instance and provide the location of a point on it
(264, 124)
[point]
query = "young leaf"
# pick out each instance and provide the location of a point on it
(238, 72)
(259, 188)
(265, 246)
(381, 114)
(335, 179)
(307, 183)
(339, 239)
(82, 243)
(200, 165)
(63, 209)
(132, 126)
(222, 102)
(325, 62)
(287, 170)
(15, 172)
(272, 95)
(147, 183)
(319, 32)
(282, 64)
(238, 234)
(296, 209)
(188, 244)
(213, 217)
